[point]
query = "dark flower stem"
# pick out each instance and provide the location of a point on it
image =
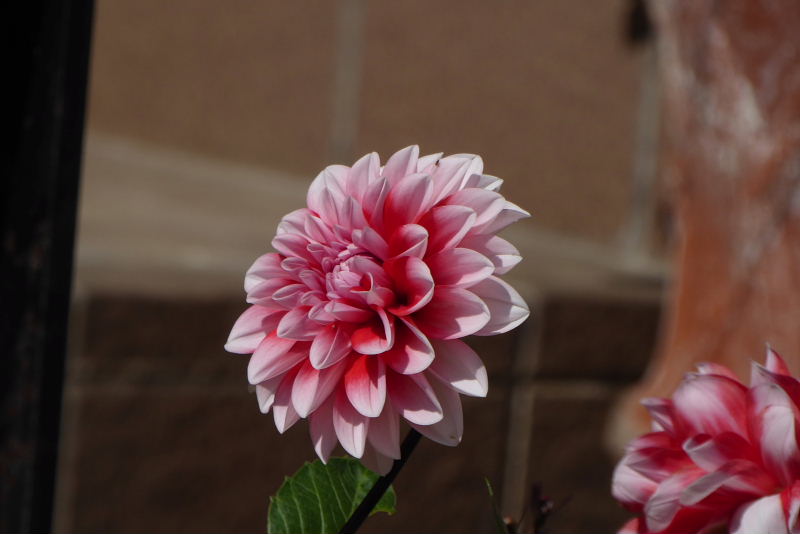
(381, 485)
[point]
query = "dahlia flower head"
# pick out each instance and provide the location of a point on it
(356, 321)
(721, 456)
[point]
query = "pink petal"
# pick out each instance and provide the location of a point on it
(712, 368)
(730, 483)
(272, 357)
(711, 404)
(413, 281)
(412, 352)
(401, 164)
(365, 171)
(292, 245)
(297, 325)
(634, 526)
(316, 229)
(407, 201)
(289, 296)
(414, 398)
(320, 426)
(350, 426)
(712, 452)
(409, 240)
(631, 488)
(459, 267)
(265, 267)
(773, 418)
(376, 336)
(426, 163)
(790, 498)
(282, 409)
(384, 432)
(452, 313)
(251, 328)
(486, 204)
(452, 172)
(662, 411)
(761, 515)
(371, 241)
(664, 504)
(460, 367)
(446, 226)
(507, 308)
(374, 201)
(774, 363)
(348, 313)
(265, 393)
(503, 255)
(365, 385)
(484, 181)
(261, 293)
(329, 346)
(376, 462)
(313, 386)
(450, 429)
(510, 214)
(326, 188)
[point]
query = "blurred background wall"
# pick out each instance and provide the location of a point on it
(208, 121)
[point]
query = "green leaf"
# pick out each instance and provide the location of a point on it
(319, 498)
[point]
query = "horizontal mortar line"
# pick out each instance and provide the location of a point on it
(80, 389)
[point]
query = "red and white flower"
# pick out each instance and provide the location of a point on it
(722, 455)
(356, 321)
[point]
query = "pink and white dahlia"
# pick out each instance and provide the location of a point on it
(722, 455)
(357, 319)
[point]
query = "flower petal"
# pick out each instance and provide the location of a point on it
(460, 367)
(503, 255)
(273, 356)
(265, 393)
(384, 432)
(329, 346)
(350, 426)
(409, 240)
(510, 214)
(282, 408)
(412, 352)
(452, 313)
(507, 308)
(773, 425)
(265, 267)
(711, 404)
(365, 385)
(486, 204)
(450, 429)
(761, 515)
(407, 201)
(459, 267)
(446, 226)
(413, 281)
(251, 328)
(375, 336)
(375, 461)
(320, 426)
(401, 164)
(364, 171)
(313, 386)
(413, 397)
(297, 325)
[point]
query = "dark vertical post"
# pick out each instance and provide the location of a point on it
(45, 81)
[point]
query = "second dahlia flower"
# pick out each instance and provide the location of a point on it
(356, 321)
(722, 456)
